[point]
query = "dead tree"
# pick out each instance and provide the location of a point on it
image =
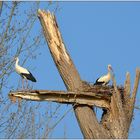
(117, 102)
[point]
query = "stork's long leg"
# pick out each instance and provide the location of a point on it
(22, 83)
(19, 83)
(26, 84)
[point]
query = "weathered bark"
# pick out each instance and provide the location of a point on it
(86, 117)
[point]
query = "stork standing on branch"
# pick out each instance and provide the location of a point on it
(104, 80)
(24, 73)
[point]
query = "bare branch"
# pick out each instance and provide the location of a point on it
(84, 98)
(133, 98)
(137, 107)
(16, 34)
(127, 85)
(9, 21)
(127, 89)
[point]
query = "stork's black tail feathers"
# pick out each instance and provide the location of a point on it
(98, 83)
(29, 76)
(32, 78)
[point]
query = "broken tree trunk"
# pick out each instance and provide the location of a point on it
(117, 103)
(86, 117)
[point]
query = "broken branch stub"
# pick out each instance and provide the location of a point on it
(85, 98)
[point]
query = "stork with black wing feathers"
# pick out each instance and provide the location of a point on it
(104, 80)
(24, 73)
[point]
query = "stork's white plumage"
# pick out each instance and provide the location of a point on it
(24, 73)
(104, 80)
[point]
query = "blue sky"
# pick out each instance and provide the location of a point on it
(96, 34)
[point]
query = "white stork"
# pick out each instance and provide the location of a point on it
(24, 73)
(104, 80)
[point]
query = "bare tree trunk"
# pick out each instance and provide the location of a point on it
(85, 114)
